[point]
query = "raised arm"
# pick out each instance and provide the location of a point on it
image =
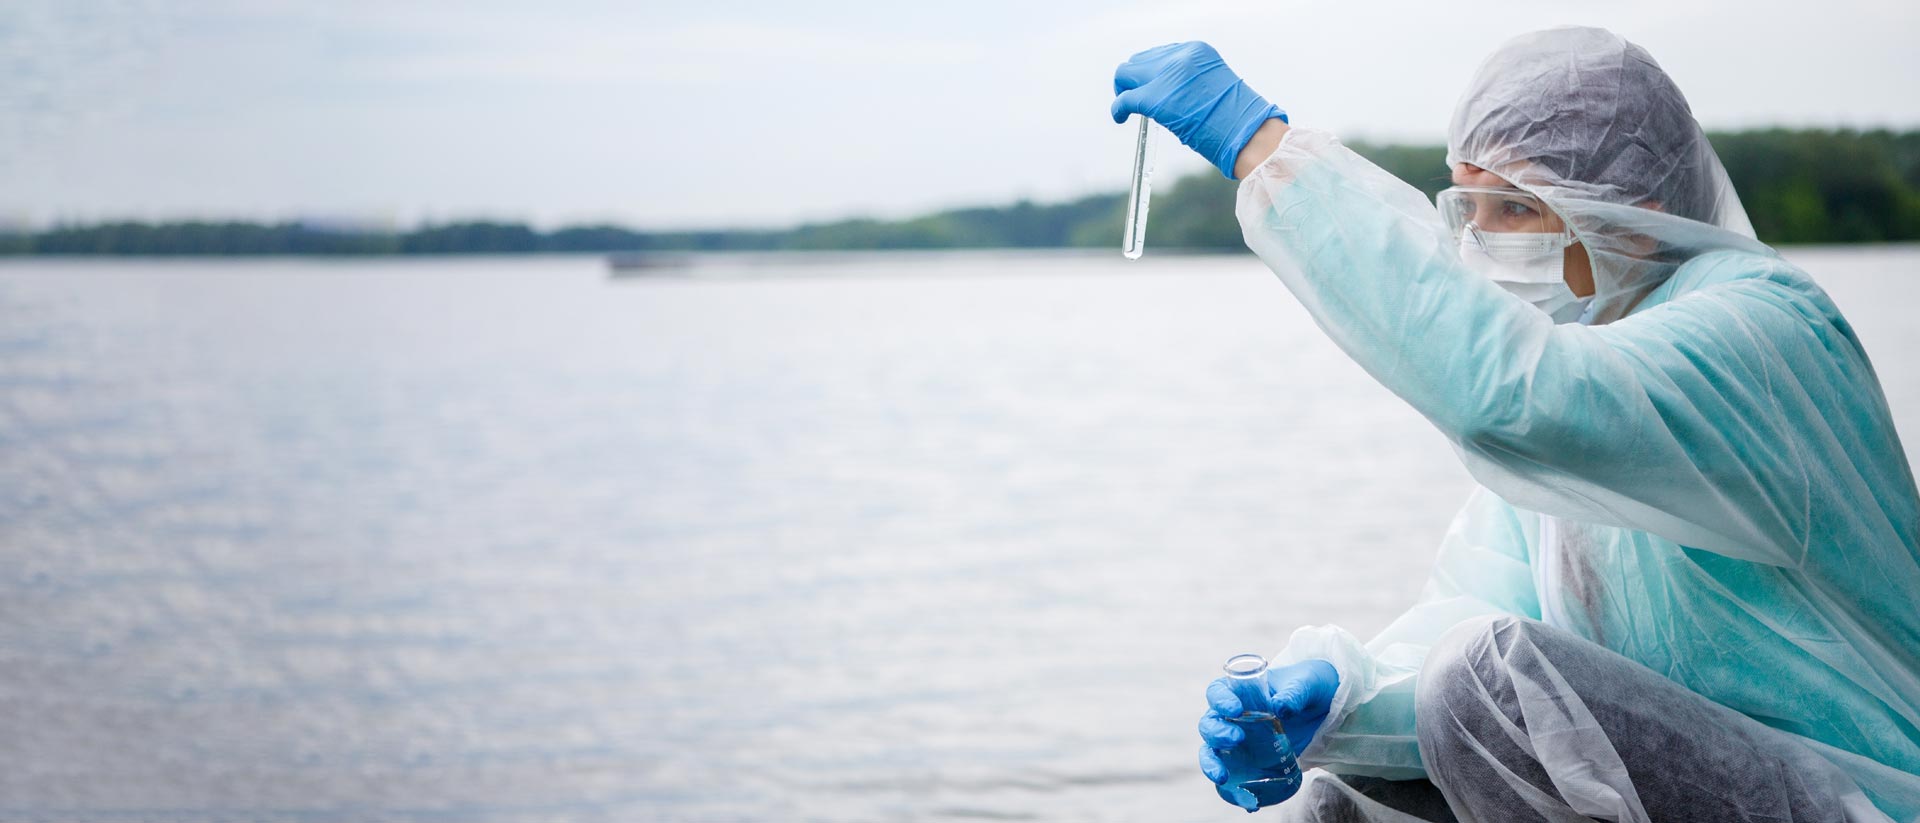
(1677, 420)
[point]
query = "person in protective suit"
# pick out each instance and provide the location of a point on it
(1686, 586)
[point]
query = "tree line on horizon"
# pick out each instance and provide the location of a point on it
(1798, 185)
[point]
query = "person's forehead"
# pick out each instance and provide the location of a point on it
(1465, 174)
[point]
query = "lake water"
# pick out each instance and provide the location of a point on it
(935, 537)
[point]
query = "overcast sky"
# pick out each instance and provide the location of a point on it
(745, 113)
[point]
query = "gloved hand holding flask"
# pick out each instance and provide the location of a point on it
(1257, 718)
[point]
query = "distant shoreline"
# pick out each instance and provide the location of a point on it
(770, 259)
(1799, 186)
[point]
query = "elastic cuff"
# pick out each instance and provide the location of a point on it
(1348, 657)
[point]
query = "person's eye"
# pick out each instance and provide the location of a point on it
(1516, 210)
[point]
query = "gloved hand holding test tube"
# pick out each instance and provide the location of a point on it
(1187, 89)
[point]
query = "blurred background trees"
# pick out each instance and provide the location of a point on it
(1799, 186)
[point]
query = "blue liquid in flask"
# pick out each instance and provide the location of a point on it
(1260, 771)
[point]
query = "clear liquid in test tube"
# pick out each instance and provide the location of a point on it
(1135, 240)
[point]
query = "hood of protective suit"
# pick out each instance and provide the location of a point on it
(1589, 123)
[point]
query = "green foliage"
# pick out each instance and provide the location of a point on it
(1799, 186)
(206, 238)
(1196, 212)
(1819, 186)
(1024, 225)
(1424, 167)
(460, 238)
(15, 242)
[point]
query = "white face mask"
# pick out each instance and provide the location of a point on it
(1530, 266)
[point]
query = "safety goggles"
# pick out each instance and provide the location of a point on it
(1509, 222)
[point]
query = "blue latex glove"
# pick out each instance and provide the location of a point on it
(1301, 694)
(1187, 88)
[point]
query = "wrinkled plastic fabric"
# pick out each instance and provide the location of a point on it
(1327, 798)
(1521, 721)
(1705, 480)
(1517, 718)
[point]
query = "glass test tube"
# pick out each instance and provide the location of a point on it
(1135, 240)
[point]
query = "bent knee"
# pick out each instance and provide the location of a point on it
(1467, 669)
(1469, 642)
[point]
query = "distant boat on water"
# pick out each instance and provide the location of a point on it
(646, 264)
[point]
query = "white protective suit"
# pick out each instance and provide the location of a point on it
(1702, 476)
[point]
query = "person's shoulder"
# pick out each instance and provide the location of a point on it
(1735, 273)
(1762, 294)
(1727, 265)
